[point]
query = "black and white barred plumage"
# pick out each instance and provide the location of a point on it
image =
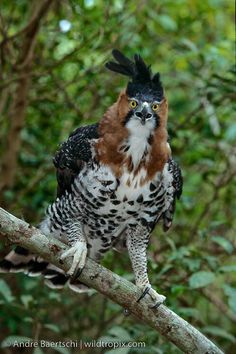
(105, 206)
(113, 199)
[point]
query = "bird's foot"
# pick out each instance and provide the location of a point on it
(155, 299)
(79, 252)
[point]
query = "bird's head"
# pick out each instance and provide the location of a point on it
(133, 130)
(144, 94)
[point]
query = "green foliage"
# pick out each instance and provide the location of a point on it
(191, 44)
(201, 279)
(5, 291)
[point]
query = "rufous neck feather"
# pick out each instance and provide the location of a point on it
(120, 149)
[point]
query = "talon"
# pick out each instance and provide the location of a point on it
(77, 273)
(79, 253)
(145, 292)
(155, 298)
(156, 305)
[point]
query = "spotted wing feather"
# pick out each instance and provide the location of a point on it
(72, 155)
(178, 185)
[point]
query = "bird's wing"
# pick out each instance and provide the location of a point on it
(177, 184)
(71, 156)
(177, 178)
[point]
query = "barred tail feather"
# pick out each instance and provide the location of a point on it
(20, 260)
(16, 261)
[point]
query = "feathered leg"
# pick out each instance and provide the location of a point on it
(78, 249)
(137, 241)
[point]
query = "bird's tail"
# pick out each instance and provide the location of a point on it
(20, 260)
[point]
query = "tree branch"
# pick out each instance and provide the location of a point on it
(119, 290)
(17, 110)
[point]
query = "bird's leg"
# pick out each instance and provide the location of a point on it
(137, 241)
(78, 249)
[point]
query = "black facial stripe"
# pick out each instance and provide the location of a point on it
(128, 116)
(150, 139)
(157, 120)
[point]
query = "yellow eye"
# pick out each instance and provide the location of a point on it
(133, 103)
(155, 107)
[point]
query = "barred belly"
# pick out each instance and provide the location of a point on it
(107, 212)
(106, 207)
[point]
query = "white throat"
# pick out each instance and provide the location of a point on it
(139, 134)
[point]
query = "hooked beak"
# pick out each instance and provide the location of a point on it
(143, 115)
(143, 120)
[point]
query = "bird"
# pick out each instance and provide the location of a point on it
(116, 180)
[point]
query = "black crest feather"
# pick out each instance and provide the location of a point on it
(123, 66)
(143, 72)
(137, 70)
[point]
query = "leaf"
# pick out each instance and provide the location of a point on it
(178, 289)
(52, 327)
(232, 303)
(201, 279)
(54, 296)
(120, 333)
(189, 44)
(26, 300)
(180, 253)
(229, 290)
(231, 293)
(228, 268)
(64, 47)
(193, 264)
(28, 319)
(167, 22)
(89, 3)
(219, 332)
(6, 291)
(230, 133)
(13, 340)
(224, 243)
(212, 262)
(165, 269)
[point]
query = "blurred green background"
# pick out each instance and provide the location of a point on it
(52, 80)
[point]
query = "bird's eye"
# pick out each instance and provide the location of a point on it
(155, 107)
(133, 103)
